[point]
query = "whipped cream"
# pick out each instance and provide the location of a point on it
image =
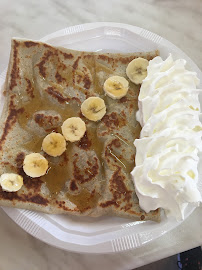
(166, 172)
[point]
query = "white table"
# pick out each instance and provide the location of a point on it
(178, 21)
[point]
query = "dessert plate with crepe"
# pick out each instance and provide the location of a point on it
(101, 137)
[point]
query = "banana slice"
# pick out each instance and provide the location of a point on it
(35, 165)
(137, 70)
(93, 108)
(73, 129)
(116, 87)
(54, 144)
(11, 182)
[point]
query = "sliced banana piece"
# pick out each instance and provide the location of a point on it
(11, 182)
(116, 87)
(73, 129)
(137, 70)
(35, 165)
(93, 108)
(54, 144)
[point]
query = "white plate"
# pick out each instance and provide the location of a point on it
(105, 234)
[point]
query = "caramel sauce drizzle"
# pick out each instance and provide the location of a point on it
(58, 173)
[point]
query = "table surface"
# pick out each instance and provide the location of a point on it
(178, 21)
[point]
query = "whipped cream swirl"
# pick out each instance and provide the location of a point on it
(166, 172)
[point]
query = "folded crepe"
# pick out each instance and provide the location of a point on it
(44, 86)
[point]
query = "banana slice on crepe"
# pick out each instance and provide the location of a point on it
(116, 87)
(54, 144)
(137, 70)
(73, 129)
(35, 165)
(93, 108)
(11, 182)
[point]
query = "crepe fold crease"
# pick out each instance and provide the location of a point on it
(44, 86)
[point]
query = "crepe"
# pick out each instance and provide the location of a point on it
(45, 85)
